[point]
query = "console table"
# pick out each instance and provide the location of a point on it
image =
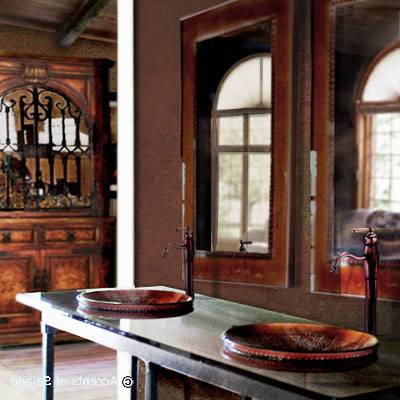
(191, 345)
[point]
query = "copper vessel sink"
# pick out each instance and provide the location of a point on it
(300, 347)
(143, 302)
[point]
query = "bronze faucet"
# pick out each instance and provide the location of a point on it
(188, 247)
(242, 248)
(371, 266)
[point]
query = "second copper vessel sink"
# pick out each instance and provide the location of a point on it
(147, 302)
(300, 346)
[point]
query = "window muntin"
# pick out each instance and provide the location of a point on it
(241, 148)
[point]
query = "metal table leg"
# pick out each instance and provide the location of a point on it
(150, 386)
(135, 377)
(48, 361)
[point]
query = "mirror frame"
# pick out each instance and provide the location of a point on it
(251, 268)
(323, 143)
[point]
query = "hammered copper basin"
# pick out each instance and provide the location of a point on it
(300, 346)
(138, 301)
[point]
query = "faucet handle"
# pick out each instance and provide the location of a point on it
(367, 232)
(370, 236)
(185, 229)
(242, 248)
(363, 231)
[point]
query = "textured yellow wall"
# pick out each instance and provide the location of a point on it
(30, 42)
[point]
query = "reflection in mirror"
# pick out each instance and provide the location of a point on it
(237, 140)
(367, 122)
(241, 159)
(234, 142)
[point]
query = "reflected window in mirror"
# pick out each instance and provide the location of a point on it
(241, 156)
(237, 137)
(356, 135)
(378, 135)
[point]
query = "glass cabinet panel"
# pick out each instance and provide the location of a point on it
(45, 151)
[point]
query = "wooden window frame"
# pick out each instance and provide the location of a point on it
(269, 269)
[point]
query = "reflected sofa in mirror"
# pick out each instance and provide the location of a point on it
(357, 139)
(236, 139)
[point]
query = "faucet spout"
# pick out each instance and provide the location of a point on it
(188, 247)
(171, 246)
(336, 265)
(371, 266)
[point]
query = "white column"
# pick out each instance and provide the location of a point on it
(125, 152)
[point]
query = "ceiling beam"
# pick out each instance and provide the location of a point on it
(72, 28)
(13, 20)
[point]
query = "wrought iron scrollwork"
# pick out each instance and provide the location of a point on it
(45, 151)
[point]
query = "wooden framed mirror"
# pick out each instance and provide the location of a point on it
(236, 116)
(356, 125)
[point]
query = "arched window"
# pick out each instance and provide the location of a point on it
(241, 156)
(378, 136)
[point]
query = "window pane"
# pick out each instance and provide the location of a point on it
(230, 193)
(396, 166)
(260, 129)
(247, 85)
(383, 83)
(395, 122)
(395, 193)
(382, 123)
(258, 201)
(380, 188)
(382, 165)
(266, 81)
(230, 131)
(382, 143)
(396, 141)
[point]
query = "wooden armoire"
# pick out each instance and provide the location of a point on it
(55, 229)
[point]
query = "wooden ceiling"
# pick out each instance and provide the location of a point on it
(67, 19)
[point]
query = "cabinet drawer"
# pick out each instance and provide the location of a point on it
(71, 235)
(16, 236)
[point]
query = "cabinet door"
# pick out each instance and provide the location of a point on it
(18, 274)
(65, 270)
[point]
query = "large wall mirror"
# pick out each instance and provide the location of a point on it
(236, 139)
(357, 138)
(233, 95)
